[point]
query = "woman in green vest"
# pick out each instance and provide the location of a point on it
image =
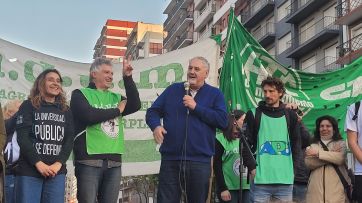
(227, 160)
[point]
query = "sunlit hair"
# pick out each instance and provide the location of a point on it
(37, 92)
(96, 64)
(233, 117)
(203, 61)
(336, 135)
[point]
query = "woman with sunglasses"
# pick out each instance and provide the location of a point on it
(227, 159)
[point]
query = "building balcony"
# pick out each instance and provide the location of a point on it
(325, 64)
(205, 16)
(174, 15)
(221, 11)
(206, 34)
(178, 28)
(348, 12)
(299, 10)
(257, 11)
(184, 40)
(199, 3)
(350, 50)
(314, 36)
(266, 34)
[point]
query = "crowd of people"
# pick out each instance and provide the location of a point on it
(190, 122)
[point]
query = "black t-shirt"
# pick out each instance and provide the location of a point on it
(45, 134)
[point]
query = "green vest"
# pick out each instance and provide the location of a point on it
(231, 162)
(273, 155)
(106, 137)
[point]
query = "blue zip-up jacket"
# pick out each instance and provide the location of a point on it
(209, 114)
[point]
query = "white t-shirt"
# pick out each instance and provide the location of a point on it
(355, 125)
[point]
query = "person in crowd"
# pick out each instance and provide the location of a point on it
(187, 134)
(324, 157)
(99, 141)
(11, 150)
(353, 126)
(273, 134)
(227, 160)
(45, 134)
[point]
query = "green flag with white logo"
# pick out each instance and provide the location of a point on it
(246, 64)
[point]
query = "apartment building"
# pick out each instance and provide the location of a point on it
(179, 24)
(314, 36)
(112, 43)
(349, 16)
(145, 40)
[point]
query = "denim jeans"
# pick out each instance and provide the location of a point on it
(9, 188)
(98, 184)
(39, 190)
(187, 177)
(299, 192)
(260, 193)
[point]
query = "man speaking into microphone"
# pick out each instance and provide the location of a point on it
(191, 111)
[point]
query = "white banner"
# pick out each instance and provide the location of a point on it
(20, 66)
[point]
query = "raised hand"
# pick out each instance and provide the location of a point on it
(127, 68)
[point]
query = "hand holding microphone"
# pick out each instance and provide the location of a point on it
(188, 100)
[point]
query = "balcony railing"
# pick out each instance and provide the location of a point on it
(325, 64)
(264, 30)
(326, 23)
(210, 9)
(350, 46)
(206, 34)
(177, 25)
(255, 7)
(173, 12)
(347, 6)
(296, 5)
(181, 39)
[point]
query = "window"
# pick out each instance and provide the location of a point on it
(309, 64)
(271, 51)
(330, 54)
(284, 43)
(283, 10)
(155, 48)
(307, 31)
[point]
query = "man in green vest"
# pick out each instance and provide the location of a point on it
(273, 133)
(99, 141)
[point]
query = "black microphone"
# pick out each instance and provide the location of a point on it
(187, 91)
(242, 129)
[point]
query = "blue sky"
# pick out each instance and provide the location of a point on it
(69, 29)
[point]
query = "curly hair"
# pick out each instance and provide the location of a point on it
(336, 135)
(276, 82)
(37, 92)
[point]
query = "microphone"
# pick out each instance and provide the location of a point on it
(242, 129)
(187, 92)
(187, 88)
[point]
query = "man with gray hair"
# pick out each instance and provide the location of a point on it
(98, 145)
(187, 135)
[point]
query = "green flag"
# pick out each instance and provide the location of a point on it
(246, 64)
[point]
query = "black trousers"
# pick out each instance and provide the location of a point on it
(357, 188)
